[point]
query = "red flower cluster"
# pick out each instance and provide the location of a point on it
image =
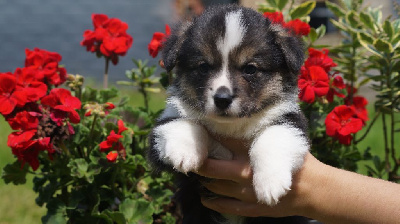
(109, 37)
(46, 65)
(38, 119)
(156, 43)
(315, 81)
(342, 122)
(297, 26)
(112, 143)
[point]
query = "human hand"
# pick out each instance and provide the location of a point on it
(233, 181)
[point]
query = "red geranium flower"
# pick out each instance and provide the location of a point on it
(341, 123)
(336, 83)
(121, 127)
(46, 64)
(298, 27)
(27, 150)
(274, 17)
(156, 43)
(112, 157)
(112, 141)
(10, 95)
(319, 58)
(359, 105)
(27, 82)
(313, 81)
(61, 100)
(109, 37)
(24, 120)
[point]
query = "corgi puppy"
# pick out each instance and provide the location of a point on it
(236, 76)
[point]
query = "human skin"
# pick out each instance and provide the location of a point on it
(319, 191)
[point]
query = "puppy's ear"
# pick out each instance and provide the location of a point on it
(172, 45)
(292, 47)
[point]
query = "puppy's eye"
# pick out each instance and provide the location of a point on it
(250, 69)
(204, 67)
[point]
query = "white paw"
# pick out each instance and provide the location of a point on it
(182, 144)
(183, 154)
(271, 188)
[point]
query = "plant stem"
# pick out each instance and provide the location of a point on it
(368, 129)
(91, 133)
(145, 97)
(105, 77)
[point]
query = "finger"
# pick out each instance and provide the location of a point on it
(232, 189)
(226, 170)
(236, 207)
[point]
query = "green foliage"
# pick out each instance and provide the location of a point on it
(80, 185)
(13, 173)
(372, 44)
(302, 10)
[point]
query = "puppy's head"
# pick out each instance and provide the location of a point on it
(232, 62)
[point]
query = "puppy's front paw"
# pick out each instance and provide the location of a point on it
(182, 144)
(270, 188)
(184, 154)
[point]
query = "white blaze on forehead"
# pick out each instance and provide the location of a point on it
(234, 33)
(233, 36)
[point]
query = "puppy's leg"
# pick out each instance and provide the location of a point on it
(181, 144)
(275, 155)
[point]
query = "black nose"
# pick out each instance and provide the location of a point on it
(223, 98)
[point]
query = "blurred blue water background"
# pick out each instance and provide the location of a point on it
(58, 26)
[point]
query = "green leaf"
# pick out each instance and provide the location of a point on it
(313, 35)
(383, 45)
(264, 8)
(107, 94)
(74, 199)
(168, 219)
(137, 211)
(376, 14)
(117, 217)
(14, 173)
(396, 25)
(396, 66)
(352, 19)
(336, 9)
(89, 94)
(56, 212)
(321, 30)
(272, 3)
(302, 10)
(281, 4)
(339, 25)
(81, 169)
(362, 36)
(388, 28)
(367, 46)
(367, 20)
(123, 101)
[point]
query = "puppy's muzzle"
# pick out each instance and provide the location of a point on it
(223, 98)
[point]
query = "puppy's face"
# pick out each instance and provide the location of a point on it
(231, 62)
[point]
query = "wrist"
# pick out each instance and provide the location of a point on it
(307, 182)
